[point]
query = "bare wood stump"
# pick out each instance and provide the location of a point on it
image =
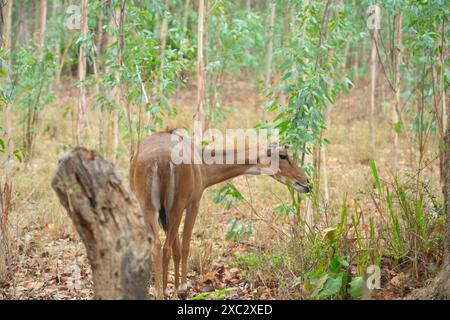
(109, 221)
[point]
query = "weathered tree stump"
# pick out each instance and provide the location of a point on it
(110, 223)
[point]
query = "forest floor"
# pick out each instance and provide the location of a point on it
(49, 261)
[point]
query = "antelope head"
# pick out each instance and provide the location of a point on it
(289, 172)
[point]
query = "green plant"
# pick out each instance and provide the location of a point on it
(215, 295)
(230, 196)
(32, 76)
(412, 218)
(329, 283)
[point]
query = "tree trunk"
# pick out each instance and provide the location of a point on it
(443, 284)
(8, 116)
(82, 105)
(164, 27)
(268, 75)
(109, 221)
(55, 7)
(201, 76)
(249, 5)
(98, 68)
(163, 35)
(396, 106)
(43, 18)
(7, 26)
(186, 16)
(115, 92)
(5, 234)
(32, 112)
(23, 32)
(373, 82)
(324, 157)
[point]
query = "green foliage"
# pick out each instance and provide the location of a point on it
(239, 229)
(330, 283)
(412, 218)
(312, 74)
(255, 262)
(356, 287)
(230, 197)
(30, 89)
(214, 295)
(236, 39)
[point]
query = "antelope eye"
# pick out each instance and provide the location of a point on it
(283, 157)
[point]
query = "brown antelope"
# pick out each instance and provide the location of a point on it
(165, 189)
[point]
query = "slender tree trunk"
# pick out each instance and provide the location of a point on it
(24, 31)
(7, 26)
(43, 19)
(8, 116)
(36, 20)
(98, 69)
(110, 222)
(123, 86)
(443, 56)
(116, 91)
(163, 35)
(325, 157)
(201, 74)
(186, 16)
(55, 7)
(396, 105)
(249, 5)
(164, 27)
(82, 105)
(32, 115)
(373, 82)
(443, 283)
(268, 75)
(443, 279)
(286, 38)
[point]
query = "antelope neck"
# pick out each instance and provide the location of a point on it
(218, 172)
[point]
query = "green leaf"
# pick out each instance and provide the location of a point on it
(373, 167)
(2, 72)
(331, 287)
(19, 154)
(319, 285)
(398, 127)
(329, 233)
(336, 264)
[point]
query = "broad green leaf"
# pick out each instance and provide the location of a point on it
(331, 287)
(356, 287)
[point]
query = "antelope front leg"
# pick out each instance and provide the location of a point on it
(191, 215)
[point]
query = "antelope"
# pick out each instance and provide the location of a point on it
(165, 189)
